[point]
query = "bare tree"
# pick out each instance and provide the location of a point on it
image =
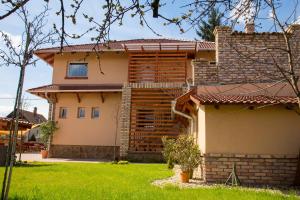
(34, 36)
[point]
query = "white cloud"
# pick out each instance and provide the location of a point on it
(243, 11)
(270, 14)
(5, 110)
(6, 95)
(297, 20)
(16, 40)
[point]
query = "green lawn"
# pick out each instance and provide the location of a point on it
(108, 181)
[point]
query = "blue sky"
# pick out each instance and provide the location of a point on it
(41, 74)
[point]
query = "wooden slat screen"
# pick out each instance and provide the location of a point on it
(151, 118)
(157, 67)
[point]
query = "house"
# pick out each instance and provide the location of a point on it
(127, 94)
(239, 118)
(31, 117)
(117, 96)
(34, 119)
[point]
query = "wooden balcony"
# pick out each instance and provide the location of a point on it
(157, 67)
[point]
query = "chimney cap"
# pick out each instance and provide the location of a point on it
(249, 27)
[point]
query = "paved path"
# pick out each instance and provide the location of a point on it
(30, 157)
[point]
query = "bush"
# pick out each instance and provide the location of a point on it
(168, 151)
(187, 153)
(183, 151)
(47, 130)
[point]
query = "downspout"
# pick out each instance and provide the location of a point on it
(173, 103)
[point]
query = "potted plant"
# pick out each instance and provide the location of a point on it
(47, 130)
(187, 155)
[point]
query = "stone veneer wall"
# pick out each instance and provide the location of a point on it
(125, 120)
(247, 57)
(83, 151)
(251, 169)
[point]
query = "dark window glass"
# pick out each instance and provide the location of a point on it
(95, 112)
(81, 113)
(62, 113)
(77, 70)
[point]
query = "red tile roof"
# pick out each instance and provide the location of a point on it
(118, 45)
(237, 99)
(261, 93)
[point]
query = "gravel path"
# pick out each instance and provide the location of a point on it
(175, 180)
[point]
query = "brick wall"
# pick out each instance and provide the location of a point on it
(251, 169)
(248, 57)
(204, 72)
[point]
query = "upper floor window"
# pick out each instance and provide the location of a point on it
(81, 112)
(62, 112)
(77, 70)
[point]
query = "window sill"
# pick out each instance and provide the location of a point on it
(76, 77)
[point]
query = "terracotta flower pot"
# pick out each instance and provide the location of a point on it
(44, 154)
(184, 176)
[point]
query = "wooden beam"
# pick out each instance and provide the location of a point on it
(102, 97)
(56, 98)
(78, 97)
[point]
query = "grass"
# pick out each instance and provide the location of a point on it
(108, 181)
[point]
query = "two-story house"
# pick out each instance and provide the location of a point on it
(125, 97)
(117, 98)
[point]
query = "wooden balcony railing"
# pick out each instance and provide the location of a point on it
(157, 67)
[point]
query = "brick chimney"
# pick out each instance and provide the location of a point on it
(249, 27)
(35, 111)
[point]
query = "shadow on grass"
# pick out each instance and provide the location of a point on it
(32, 164)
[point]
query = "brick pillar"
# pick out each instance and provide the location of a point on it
(125, 120)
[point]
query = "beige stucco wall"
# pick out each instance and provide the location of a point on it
(113, 64)
(236, 129)
(100, 131)
(201, 138)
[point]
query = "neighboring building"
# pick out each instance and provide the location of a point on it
(5, 124)
(32, 118)
(125, 99)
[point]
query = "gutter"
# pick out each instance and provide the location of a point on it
(173, 103)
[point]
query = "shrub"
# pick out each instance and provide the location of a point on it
(187, 153)
(168, 151)
(183, 151)
(47, 130)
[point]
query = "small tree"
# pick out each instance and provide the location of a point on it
(47, 130)
(186, 153)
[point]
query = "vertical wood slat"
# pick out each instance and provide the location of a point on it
(154, 67)
(151, 118)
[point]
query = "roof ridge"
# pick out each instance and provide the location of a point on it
(129, 40)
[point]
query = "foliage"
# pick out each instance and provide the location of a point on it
(48, 181)
(206, 29)
(47, 130)
(168, 151)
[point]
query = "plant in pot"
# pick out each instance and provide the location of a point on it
(47, 130)
(168, 151)
(187, 155)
